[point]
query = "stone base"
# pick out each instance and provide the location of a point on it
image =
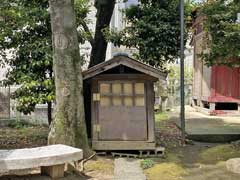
(211, 110)
(56, 171)
(233, 165)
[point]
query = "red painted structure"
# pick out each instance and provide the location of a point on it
(216, 89)
(225, 84)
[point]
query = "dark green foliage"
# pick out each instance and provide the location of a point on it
(25, 31)
(221, 26)
(18, 124)
(81, 10)
(154, 30)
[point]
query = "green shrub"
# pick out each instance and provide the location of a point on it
(147, 163)
(18, 124)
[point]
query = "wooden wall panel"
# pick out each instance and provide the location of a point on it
(206, 80)
(197, 82)
(225, 84)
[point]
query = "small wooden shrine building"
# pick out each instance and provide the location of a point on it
(119, 104)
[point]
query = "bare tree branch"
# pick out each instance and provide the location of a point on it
(87, 30)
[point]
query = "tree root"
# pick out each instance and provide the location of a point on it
(84, 161)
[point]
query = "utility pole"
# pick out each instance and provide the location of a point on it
(182, 111)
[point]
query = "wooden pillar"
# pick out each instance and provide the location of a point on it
(201, 104)
(212, 106)
(94, 110)
(56, 171)
(150, 111)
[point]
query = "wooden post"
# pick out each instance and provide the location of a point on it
(212, 107)
(182, 112)
(150, 111)
(56, 171)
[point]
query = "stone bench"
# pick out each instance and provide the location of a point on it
(51, 159)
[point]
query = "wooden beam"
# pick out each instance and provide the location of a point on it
(123, 145)
(125, 77)
(126, 61)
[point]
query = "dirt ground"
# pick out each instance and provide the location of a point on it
(195, 161)
(200, 161)
(25, 136)
(97, 169)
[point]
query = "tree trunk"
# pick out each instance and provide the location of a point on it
(99, 44)
(49, 104)
(68, 126)
(49, 113)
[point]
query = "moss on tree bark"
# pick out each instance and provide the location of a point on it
(68, 126)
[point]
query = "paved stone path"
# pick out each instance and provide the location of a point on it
(198, 123)
(128, 169)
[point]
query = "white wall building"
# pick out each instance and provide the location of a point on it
(117, 23)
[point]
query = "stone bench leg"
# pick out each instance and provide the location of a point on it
(56, 171)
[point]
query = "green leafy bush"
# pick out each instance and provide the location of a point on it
(223, 32)
(147, 163)
(18, 124)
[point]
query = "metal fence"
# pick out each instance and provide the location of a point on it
(4, 102)
(168, 95)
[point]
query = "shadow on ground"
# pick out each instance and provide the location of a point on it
(205, 128)
(198, 161)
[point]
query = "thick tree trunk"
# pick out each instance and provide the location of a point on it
(99, 44)
(68, 126)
